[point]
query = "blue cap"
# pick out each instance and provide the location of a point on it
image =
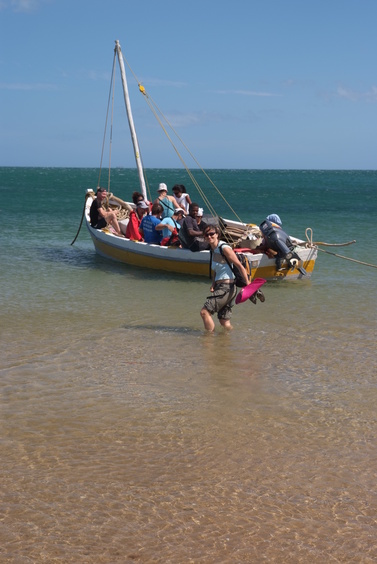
(275, 218)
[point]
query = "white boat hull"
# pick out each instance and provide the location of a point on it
(183, 261)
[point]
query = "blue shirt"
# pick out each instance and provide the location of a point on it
(148, 225)
(169, 221)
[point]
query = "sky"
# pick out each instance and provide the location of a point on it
(255, 84)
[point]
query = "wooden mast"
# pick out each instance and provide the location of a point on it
(131, 121)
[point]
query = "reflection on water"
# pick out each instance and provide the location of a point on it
(159, 443)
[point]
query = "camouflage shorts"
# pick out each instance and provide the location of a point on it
(221, 300)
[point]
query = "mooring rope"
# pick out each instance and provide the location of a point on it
(310, 244)
(348, 258)
(82, 218)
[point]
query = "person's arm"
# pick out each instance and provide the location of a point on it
(192, 232)
(107, 214)
(232, 257)
(173, 201)
(163, 225)
(212, 289)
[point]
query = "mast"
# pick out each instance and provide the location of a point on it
(130, 120)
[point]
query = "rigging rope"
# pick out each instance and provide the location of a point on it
(157, 113)
(111, 101)
(107, 119)
(111, 130)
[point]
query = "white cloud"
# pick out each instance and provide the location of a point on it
(183, 120)
(162, 82)
(20, 5)
(200, 118)
(353, 96)
(371, 95)
(347, 94)
(247, 93)
(94, 75)
(24, 5)
(26, 86)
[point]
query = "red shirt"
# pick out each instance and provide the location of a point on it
(132, 230)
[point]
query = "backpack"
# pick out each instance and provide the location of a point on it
(238, 279)
(246, 264)
(172, 241)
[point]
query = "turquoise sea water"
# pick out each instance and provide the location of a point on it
(129, 434)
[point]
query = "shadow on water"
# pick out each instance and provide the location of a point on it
(164, 329)
(84, 258)
(72, 256)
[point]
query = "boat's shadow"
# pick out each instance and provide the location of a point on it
(79, 257)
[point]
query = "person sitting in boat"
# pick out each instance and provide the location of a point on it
(138, 197)
(170, 227)
(182, 198)
(132, 230)
(168, 203)
(199, 217)
(148, 225)
(190, 234)
(99, 217)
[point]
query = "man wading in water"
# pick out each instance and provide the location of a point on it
(223, 287)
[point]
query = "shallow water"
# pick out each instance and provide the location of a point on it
(130, 435)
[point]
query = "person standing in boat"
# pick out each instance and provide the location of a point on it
(168, 203)
(190, 235)
(99, 217)
(181, 197)
(132, 230)
(223, 287)
(274, 218)
(264, 246)
(148, 225)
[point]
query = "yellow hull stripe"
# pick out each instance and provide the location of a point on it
(268, 272)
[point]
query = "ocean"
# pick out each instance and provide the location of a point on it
(128, 434)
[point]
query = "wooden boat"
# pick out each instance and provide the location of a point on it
(295, 262)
